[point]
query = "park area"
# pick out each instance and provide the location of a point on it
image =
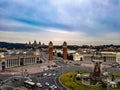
(69, 81)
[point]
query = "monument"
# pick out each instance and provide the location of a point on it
(97, 60)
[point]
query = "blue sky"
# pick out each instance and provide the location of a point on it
(78, 22)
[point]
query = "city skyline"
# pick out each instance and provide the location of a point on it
(78, 22)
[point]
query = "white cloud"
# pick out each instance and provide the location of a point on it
(82, 15)
(77, 38)
(58, 31)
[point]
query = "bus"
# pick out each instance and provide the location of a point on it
(29, 84)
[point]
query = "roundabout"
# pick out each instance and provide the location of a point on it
(96, 79)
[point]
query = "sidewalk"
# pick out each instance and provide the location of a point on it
(33, 68)
(21, 88)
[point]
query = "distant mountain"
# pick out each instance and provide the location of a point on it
(72, 47)
(12, 45)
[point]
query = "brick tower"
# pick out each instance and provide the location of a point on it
(50, 51)
(64, 51)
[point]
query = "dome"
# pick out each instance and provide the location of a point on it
(37, 52)
(2, 56)
(50, 43)
(76, 53)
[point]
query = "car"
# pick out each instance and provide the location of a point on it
(44, 74)
(54, 65)
(54, 86)
(51, 88)
(54, 74)
(39, 85)
(47, 84)
(16, 79)
(49, 74)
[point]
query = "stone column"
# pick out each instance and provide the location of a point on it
(50, 51)
(64, 51)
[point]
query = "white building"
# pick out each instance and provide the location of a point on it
(77, 57)
(108, 57)
(118, 58)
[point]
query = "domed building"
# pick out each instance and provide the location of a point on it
(19, 58)
(2, 56)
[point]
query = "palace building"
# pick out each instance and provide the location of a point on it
(107, 57)
(19, 59)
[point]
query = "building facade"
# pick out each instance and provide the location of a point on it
(107, 57)
(77, 57)
(9, 61)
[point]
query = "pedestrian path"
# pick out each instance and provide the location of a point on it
(33, 68)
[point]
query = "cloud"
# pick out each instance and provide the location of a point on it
(78, 21)
(59, 31)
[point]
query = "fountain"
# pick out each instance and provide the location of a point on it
(97, 77)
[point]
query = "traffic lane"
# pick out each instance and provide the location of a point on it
(59, 84)
(114, 70)
(44, 79)
(16, 82)
(4, 76)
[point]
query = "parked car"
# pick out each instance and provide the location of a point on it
(54, 74)
(15, 79)
(39, 85)
(54, 86)
(47, 84)
(49, 74)
(44, 74)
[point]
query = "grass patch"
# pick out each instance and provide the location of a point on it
(69, 80)
(115, 74)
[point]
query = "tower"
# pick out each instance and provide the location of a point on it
(50, 51)
(29, 43)
(65, 51)
(39, 43)
(35, 42)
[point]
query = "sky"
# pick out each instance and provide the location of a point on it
(78, 22)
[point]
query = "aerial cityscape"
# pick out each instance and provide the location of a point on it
(59, 45)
